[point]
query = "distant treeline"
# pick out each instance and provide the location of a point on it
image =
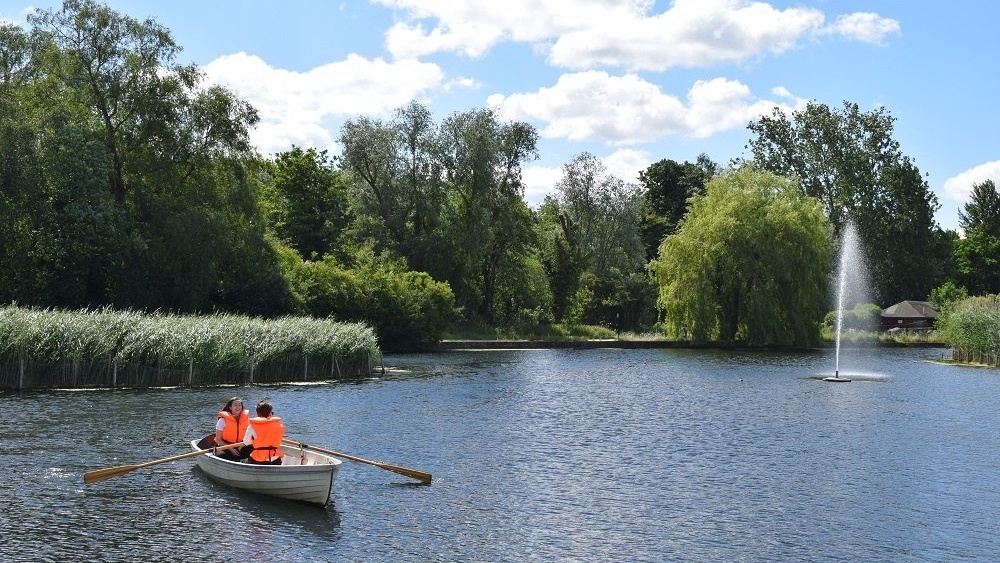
(126, 181)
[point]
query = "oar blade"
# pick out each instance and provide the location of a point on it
(424, 478)
(102, 474)
(421, 476)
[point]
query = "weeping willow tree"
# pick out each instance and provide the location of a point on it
(749, 263)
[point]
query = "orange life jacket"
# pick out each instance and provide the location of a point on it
(235, 427)
(268, 433)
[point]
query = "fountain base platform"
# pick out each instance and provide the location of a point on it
(836, 379)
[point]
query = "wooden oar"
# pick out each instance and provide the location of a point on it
(107, 473)
(424, 478)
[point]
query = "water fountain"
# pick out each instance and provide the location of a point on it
(851, 287)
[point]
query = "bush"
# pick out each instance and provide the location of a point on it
(408, 310)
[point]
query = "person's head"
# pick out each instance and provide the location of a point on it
(264, 408)
(234, 405)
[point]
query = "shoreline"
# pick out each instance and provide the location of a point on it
(453, 345)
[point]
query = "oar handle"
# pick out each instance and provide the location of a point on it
(421, 476)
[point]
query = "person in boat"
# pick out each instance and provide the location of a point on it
(264, 436)
(232, 422)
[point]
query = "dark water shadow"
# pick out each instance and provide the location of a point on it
(319, 521)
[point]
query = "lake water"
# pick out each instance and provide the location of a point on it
(595, 455)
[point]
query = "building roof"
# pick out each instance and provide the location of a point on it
(911, 310)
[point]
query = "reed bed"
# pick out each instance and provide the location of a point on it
(110, 348)
(973, 330)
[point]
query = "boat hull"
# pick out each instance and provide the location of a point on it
(305, 475)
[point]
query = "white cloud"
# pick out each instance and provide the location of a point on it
(539, 181)
(294, 105)
(472, 27)
(588, 34)
(959, 187)
(463, 83)
(691, 33)
(626, 164)
(627, 110)
(865, 27)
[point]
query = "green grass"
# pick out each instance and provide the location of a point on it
(902, 337)
(550, 332)
(559, 332)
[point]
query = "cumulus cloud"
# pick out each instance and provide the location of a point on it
(866, 27)
(589, 34)
(691, 33)
(294, 105)
(627, 110)
(539, 181)
(959, 187)
(626, 164)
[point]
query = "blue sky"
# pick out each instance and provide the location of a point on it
(630, 81)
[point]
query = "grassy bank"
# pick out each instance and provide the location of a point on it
(560, 333)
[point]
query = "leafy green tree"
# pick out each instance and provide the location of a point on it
(487, 218)
(749, 263)
(562, 267)
(599, 217)
(849, 160)
(112, 65)
(398, 181)
(20, 169)
(147, 199)
(593, 224)
(308, 203)
(448, 197)
(83, 238)
(668, 186)
(945, 299)
(978, 253)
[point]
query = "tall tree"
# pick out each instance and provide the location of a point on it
(668, 186)
(399, 177)
(978, 253)
(177, 226)
(749, 263)
(849, 160)
(448, 197)
(599, 217)
(489, 221)
(20, 169)
(308, 202)
(112, 65)
(594, 228)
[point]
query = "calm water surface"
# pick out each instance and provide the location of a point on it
(642, 455)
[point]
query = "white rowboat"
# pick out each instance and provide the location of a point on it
(304, 475)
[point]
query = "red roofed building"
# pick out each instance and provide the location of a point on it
(908, 315)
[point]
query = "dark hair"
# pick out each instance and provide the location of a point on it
(264, 408)
(229, 403)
